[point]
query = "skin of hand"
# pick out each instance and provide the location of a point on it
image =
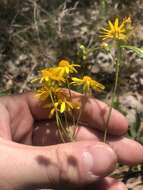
(32, 155)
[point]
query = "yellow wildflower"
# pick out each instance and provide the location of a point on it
(65, 68)
(58, 101)
(117, 31)
(50, 75)
(67, 106)
(61, 105)
(88, 83)
(53, 107)
(45, 92)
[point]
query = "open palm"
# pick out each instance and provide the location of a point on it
(26, 139)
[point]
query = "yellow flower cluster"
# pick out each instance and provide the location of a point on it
(87, 84)
(117, 31)
(52, 82)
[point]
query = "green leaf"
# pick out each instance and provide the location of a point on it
(116, 103)
(138, 122)
(138, 51)
(134, 128)
(4, 93)
(133, 131)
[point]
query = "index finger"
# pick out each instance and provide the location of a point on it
(93, 112)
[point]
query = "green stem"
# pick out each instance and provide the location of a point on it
(103, 8)
(60, 126)
(79, 114)
(77, 122)
(117, 67)
(68, 86)
(73, 118)
(69, 135)
(58, 121)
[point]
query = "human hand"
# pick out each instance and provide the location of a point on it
(23, 166)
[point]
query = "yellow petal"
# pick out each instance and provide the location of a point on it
(51, 113)
(76, 79)
(63, 107)
(56, 104)
(116, 24)
(111, 25)
(67, 70)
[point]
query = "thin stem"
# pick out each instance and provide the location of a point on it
(68, 86)
(66, 120)
(117, 67)
(58, 120)
(103, 8)
(79, 115)
(67, 126)
(75, 123)
(58, 124)
(80, 111)
(85, 93)
(61, 125)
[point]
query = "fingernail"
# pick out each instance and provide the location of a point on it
(98, 160)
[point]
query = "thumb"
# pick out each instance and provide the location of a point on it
(63, 165)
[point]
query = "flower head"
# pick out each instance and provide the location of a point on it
(61, 106)
(56, 100)
(49, 75)
(65, 68)
(87, 83)
(117, 31)
(46, 92)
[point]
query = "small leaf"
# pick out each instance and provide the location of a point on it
(138, 122)
(116, 104)
(4, 93)
(137, 50)
(133, 131)
(134, 128)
